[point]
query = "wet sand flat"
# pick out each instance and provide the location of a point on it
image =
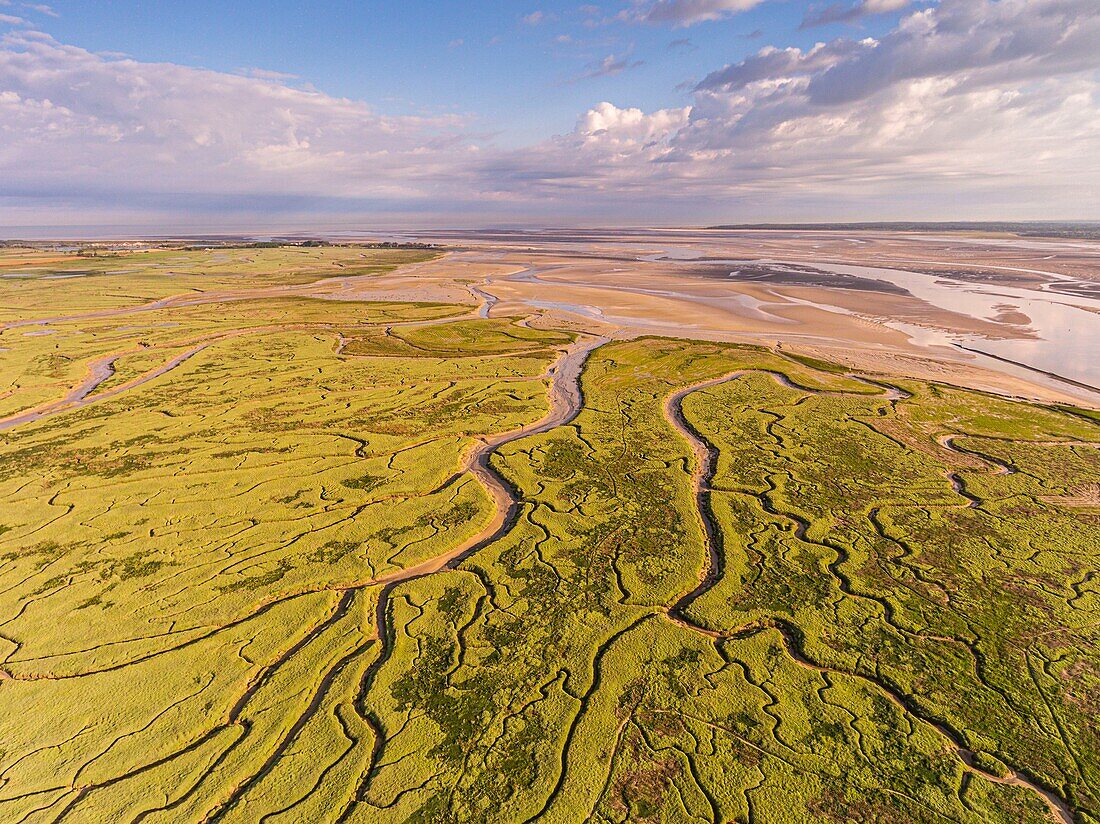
(880, 297)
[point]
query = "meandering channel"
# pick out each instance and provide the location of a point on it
(566, 401)
(102, 369)
(706, 458)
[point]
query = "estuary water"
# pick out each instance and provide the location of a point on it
(1061, 330)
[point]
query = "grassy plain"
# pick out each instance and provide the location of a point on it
(116, 280)
(210, 609)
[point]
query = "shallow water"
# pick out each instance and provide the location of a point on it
(576, 308)
(1064, 335)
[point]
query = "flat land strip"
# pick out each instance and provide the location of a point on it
(275, 549)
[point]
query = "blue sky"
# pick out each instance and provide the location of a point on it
(630, 111)
(513, 65)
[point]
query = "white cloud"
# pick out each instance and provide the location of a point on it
(607, 124)
(41, 8)
(75, 121)
(261, 74)
(971, 104)
(681, 13)
(995, 102)
(772, 63)
(538, 17)
(977, 42)
(841, 12)
(609, 67)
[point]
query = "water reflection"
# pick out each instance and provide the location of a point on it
(1062, 330)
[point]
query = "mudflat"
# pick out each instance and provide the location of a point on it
(1023, 308)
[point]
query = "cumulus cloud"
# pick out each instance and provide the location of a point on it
(997, 101)
(977, 42)
(262, 74)
(623, 128)
(771, 63)
(612, 152)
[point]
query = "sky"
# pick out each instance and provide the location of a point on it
(161, 116)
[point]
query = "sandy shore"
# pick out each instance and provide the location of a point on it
(674, 283)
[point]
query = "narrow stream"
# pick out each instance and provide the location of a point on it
(566, 402)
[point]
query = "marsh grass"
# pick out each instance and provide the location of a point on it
(190, 605)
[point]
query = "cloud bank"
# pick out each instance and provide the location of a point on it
(970, 108)
(967, 105)
(74, 120)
